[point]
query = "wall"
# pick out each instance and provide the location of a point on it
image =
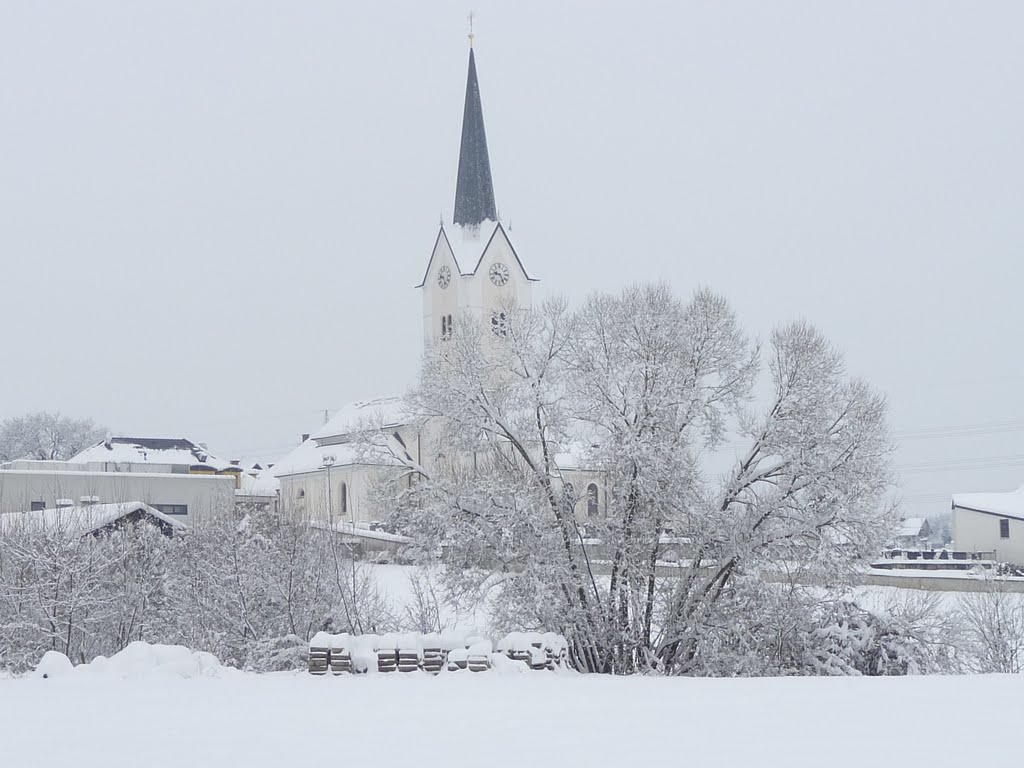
(19, 488)
(314, 501)
(977, 531)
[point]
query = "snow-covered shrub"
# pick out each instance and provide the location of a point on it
(907, 635)
(791, 629)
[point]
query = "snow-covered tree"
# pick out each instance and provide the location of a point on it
(651, 392)
(52, 591)
(46, 435)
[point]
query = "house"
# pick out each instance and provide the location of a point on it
(89, 519)
(175, 476)
(990, 522)
(473, 271)
(913, 533)
(174, 455)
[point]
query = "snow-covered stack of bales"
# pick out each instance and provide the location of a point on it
(433, 653)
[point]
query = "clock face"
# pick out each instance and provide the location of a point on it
(444, 276)
(499, 273)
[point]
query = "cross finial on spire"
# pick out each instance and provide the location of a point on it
(471, 29)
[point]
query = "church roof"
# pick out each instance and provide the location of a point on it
(474, 190)
(379, 413)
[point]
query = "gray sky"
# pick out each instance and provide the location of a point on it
(212, 215)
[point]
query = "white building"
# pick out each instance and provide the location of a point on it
(473, 274)
(175, 476)
(990, 522)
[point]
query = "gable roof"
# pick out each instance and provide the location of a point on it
(330, 440)
(913, 526)
(1008, 504)
(83, 520)
(433, 252)
(381, 412)
(508, 240)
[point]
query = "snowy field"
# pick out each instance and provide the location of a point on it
(494, 720)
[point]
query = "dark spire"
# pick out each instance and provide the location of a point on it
(474, 191)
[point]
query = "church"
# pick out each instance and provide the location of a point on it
(472, 272)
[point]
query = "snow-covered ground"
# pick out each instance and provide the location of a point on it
(494, 720)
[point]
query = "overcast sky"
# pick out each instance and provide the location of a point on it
(213, 214)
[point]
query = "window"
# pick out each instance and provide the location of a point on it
(451, 326)
(444, 326)
(38, 505)
(172, 509)
(343, 495)
(302, 493)
(592, 500)
(499, 324)
(1004, 529)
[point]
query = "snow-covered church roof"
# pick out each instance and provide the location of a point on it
(1008, 504)
(335, 442)
(379, 413)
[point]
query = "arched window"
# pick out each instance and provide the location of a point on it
(499, 324)
(302, 493)
(451, 326)
(444, 326)
(343, 495)
(592, 500)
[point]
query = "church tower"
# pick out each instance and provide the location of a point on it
(475, 237)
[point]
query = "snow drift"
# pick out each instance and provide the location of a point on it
(137, 661)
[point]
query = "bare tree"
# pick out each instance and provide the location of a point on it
(46, 435)
(994, 621)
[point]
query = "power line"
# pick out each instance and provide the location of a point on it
(985, 462)
(961, 430)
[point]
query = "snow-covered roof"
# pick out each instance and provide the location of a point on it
(341, 526)
(150, 450)
(1008, 504)
(311, 456)
(911, 526)
(468, 243)
(80, 520)
(378, 413)
(263, 483)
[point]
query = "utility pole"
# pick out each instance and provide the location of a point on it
(328, 463)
